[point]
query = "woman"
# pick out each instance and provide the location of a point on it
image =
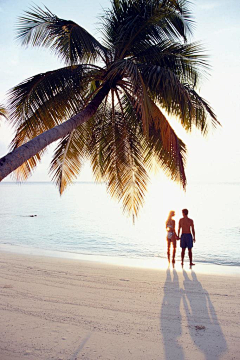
(171, 236)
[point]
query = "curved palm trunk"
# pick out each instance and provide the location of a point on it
(17, 157)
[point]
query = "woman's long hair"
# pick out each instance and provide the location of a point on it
(171, 214)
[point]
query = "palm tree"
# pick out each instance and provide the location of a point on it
(3, 111)
(116, 95)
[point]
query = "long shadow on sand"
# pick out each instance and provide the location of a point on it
(203, 324)
(171, 320)
(202, 321)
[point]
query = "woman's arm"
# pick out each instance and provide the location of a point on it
(179, 227)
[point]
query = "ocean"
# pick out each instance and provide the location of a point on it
(86, 221)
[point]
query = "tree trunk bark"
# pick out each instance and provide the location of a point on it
(17, 157)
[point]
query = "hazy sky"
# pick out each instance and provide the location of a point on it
(215, 158)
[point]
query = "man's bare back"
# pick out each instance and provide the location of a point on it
(186, 224)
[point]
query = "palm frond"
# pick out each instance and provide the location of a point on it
(131, 23)
(40, 103)
(187, 61)
(23, 134)
(179, 99)
(131, 81)
(67, 160)
(69, 41)
(3, 111)
(160, 142)
(24, 171)
(106, 148)
(179, 18)
(166, 147)
(48, 98)
(116, 155)
(202, 112)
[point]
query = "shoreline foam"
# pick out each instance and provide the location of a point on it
(143, 263)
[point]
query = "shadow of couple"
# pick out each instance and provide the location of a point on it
(199, 320)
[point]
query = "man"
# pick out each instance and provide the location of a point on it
(186, 227)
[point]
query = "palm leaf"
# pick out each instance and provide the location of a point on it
(3, 111)
(23, 134)
(48, 98)
(69, 41)
(104, 131)
(178, 99)
(67, 160)
(160, 142)
(186, 61)
(131, 23)
(116, 154)
(166, 147)
(24, 171)
(42, 102)
(134, 84)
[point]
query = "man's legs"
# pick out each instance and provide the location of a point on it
(190, 256)
(183, 254)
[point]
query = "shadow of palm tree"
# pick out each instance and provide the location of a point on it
(171, 320)
(204, 327)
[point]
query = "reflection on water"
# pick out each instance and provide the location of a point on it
(85, 220)
(202, 322)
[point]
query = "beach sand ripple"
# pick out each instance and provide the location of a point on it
(67, 309)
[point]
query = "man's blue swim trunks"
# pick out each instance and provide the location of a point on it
(186, 241)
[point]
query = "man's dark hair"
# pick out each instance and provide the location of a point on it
(185, 211)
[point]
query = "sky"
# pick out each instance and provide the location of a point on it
(212, 159)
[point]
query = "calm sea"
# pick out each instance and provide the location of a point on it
(85, 220)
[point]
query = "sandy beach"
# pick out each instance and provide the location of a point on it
(54, 308)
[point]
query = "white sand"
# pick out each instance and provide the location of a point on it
(67, 309)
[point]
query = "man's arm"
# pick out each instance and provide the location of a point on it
(193, 231)
(179, 227)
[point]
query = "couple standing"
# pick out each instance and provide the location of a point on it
(186, 227)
